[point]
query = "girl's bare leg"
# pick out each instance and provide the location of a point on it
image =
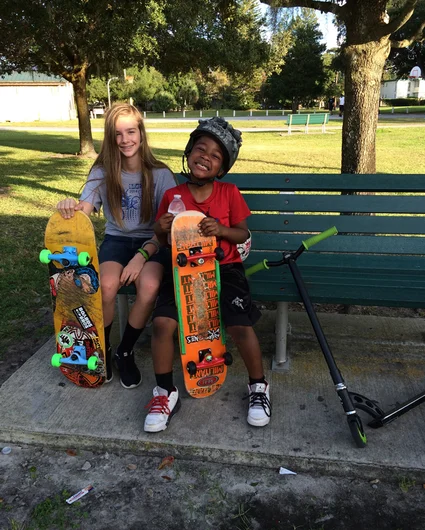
(110, 272)
(147, 285)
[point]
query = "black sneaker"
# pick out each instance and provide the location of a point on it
(129, 373)
(108, 360)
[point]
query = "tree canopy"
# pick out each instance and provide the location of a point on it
(371, 30)
(76, 38)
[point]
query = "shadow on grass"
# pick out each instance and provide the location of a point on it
(38, 174)
(68, 143)
(288, 164)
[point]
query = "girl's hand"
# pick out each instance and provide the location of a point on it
(132, 270)
(67, 207)
(210, 227)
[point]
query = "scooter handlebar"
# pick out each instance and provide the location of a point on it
(308, 243)
(256, 268)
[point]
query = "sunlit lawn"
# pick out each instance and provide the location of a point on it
(37, 169)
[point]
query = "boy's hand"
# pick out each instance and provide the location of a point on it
(163, 225)
(210, 227)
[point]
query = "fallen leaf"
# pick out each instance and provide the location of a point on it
(71, 452)
(167, 461)
(166, 477)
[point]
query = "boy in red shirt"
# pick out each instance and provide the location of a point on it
(212, 150)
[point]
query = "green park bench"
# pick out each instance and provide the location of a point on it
(377, 258)
(306, 120)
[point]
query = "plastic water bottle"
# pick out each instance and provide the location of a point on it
(176, 206)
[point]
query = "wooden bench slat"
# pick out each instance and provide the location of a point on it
(335, 203)
(365, 224)
(325, 181)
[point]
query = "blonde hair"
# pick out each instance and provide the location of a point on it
(109, 159)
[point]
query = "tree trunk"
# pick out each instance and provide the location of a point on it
(365, 56)
(86, 139)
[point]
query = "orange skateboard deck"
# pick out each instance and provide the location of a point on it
(71, 254)
(197, 290)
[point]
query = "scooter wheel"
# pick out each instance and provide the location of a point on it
(181, 260)
(357, 432)
(228, 359)
(84, 259)
(92, 363)
(191, 368)
(56, 360)
(44, 256)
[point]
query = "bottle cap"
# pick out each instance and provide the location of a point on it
(6, 450)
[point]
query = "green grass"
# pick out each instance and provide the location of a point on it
(38, 168)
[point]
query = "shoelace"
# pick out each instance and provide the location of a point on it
(260, 398)
(158, 405)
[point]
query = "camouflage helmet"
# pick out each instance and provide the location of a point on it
(230, 139)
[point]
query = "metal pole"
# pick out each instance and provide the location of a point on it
(109, 92)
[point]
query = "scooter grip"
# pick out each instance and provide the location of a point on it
(255, 268)
(320, 237)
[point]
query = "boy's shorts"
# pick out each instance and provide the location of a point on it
(123, 249)
(237, 308)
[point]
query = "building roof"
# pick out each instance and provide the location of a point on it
(31, 78)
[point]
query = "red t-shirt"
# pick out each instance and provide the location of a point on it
(225, 204)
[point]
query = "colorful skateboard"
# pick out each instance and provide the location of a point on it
(77, 301)
(197, 289)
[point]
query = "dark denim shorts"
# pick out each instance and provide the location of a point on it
(122, 250)
(237, 307)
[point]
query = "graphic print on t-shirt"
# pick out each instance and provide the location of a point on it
(131, 202)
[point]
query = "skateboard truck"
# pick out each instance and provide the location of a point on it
(196, 257)
(78, 356)
(207, 360)
(69, 257)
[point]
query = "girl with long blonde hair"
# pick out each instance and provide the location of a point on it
(129, 182)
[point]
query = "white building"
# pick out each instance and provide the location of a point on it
(403, 88)
(30, 96)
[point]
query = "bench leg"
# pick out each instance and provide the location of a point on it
(280, 361)
(122, 312)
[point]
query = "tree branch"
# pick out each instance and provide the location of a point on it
(399, 21)
(323, 6)
(419, 36)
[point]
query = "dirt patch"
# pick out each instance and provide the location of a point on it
(133, 492)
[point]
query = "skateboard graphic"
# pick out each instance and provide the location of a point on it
(71, 255)
(196, 276)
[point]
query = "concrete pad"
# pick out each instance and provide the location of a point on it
(379, 357)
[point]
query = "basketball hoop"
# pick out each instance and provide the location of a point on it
(415, 73)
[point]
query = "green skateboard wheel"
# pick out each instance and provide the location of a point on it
(84, 259)
(44, 256)
(92, 363)
(56, 360)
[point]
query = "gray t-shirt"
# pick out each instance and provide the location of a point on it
(94, 192)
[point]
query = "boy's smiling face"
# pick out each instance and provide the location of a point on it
(206, 159)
